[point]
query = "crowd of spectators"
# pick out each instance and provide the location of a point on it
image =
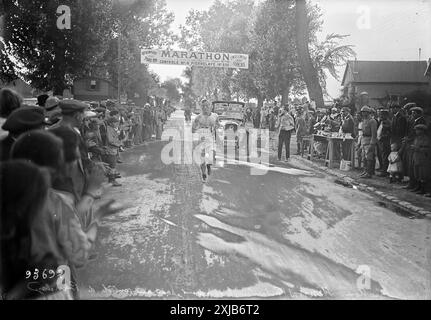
(54, 160)
(391, 141)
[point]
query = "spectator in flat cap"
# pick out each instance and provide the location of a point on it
(41, 100)
(73, 117)
(409, 105)
(383, 141)
(52, 110)
(113, 144)
(398, 125)
(52, 103)
(9, 101)
(415, 119)
(71, 107)
(364, 99)
(113, 113)
(368, 142)
(347, 127)
(19, 121)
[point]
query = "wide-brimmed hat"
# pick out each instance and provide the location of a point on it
(24, 119)
(90, 114)
(417, 109)
(366, 109)
(51, 103)
(409, 105)
(72, 106)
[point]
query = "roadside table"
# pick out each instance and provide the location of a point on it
(330, 150)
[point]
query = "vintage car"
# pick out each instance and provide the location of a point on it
(231, 118)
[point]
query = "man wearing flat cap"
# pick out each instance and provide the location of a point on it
(416, 119)
(19, 121)
(347, 127)
(113, 144)
(368, 142)
(383, 141)
(398, 125)
(73, 117)
(52, 110)
(364, 99)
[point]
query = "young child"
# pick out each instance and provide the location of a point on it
(395, 167)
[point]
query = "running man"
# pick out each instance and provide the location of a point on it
(208, 121)
(188, 114)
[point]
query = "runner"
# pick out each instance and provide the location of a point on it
(206, 120)
(188, 114)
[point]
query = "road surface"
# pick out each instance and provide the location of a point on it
(291, 233)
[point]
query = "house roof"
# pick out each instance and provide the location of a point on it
(386, 71)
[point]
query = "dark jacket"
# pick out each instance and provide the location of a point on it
(411, 134)
(385, 133)
(348, 125)
(398, 126)
(5, 147)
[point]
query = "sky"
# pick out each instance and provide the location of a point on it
(378, 30)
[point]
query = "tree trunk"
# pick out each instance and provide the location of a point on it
(259, 102)
(59, 83)
(285, 96)
(302, 38)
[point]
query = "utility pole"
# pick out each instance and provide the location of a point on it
(119, 66)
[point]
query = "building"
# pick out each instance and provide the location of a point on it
(22, 88)
(428, 69)
(93, 89)
(384, 80)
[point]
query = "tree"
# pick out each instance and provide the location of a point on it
(51, 58)
(188, 96)
(173, 89)
(273, 44)
(138, 24)
(48, 56)
(327, 55)
(222, 28)
(268, 33)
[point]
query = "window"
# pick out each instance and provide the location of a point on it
(93, 84)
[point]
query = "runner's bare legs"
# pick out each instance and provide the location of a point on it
(205, 120)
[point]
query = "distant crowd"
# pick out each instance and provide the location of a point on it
(54, 158)
(391, 141)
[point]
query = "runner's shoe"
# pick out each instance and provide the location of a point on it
(204, 178)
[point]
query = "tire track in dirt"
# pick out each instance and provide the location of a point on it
(187, 200)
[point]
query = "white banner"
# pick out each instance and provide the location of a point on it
(192, 58)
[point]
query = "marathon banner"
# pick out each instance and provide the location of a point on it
(195, 58)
